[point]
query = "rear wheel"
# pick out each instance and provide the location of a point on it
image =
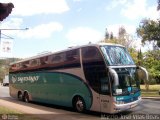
(26, 97)
(79, 104)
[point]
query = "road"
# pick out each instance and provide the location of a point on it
(148, 109)
(4, 91)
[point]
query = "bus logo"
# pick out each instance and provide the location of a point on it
(14, 79)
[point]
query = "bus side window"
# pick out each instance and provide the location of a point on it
(44, 60)
(25, 64)
(72, 55)
(19, 65)
(56, 58)
(14, 67)
(72, 58)
(92, 54)
(34, 62)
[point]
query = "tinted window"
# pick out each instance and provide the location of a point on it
(44, 60)
(34, 62)
(58, 58)
(95, 70)
(19, 65)
(66, 59)
(72, 55)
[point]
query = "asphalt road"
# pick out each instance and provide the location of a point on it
(148, 109)
(4, 91)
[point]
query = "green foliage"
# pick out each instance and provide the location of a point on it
(149, 30)
(2, 69)
(151, 61)
(139, 58)
(133, 52)
(123, 39)
(4, 110)
(152, 87)
(4, 66)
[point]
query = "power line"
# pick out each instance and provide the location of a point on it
(9, 29)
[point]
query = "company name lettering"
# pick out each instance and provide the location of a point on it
(28, 78)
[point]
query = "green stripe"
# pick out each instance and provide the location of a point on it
(53, 87)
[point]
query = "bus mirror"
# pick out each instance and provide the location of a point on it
(114, 76)
(142, 73)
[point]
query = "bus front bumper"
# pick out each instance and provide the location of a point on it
(123, 107)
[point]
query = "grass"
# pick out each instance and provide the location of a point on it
(152, 92)
(6, 113)
(151, 87)
(4, 110)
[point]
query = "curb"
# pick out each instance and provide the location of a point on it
(155, 98)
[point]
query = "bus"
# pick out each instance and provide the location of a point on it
(97, 77)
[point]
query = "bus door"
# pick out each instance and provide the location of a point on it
(105, 98)
(96, 75)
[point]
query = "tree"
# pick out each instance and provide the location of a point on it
(140, 57)
(149, 30)
(151, 61)
(111, 35)
(124, 39)
(2, 69)
(5, 10)
(4, 66)
(106, 34)
(109, 38)
(121, 34)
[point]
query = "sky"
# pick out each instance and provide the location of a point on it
(58, 24)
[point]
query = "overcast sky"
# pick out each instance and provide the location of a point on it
(57, 24)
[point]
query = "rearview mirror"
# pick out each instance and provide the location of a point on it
(142, 73)
(114, 76)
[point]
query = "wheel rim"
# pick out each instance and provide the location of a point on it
(79, 105)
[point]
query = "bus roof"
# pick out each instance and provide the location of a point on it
(69, 48)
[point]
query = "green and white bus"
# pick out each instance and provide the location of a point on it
(96, 77)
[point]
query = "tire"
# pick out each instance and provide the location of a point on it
(20, 96)
(26, 97)
(79, 104)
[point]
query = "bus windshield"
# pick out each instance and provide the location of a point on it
(128, 81)
(117, 55)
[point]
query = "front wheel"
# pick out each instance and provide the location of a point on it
(79, 104)
(26, 97)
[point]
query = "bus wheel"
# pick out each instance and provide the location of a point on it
(26, 97)
(79, 104)
(20, 95)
